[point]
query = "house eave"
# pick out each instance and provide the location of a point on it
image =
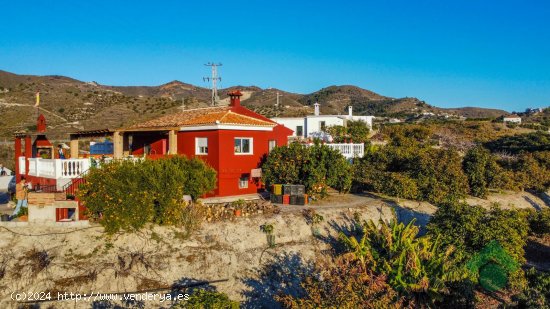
(226, 127)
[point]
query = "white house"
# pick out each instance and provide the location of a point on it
(513, 118)
(314, 125)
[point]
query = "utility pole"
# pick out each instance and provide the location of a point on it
(214, 79)
(277, 104)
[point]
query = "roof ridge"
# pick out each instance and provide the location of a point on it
(202, 108)
(246, 116)
(224, 115)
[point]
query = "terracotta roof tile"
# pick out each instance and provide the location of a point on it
(203, 116)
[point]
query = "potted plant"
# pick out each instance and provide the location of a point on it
(268, 230)
(237, 212)
(238, 207)
(70, 197)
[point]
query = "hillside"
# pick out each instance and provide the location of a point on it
(70, 104)
(476, 112)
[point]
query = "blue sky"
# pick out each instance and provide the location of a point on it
(448, 53)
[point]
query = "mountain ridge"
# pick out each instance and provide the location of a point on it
(89, 105)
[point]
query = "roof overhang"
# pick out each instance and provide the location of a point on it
(163, 129)
(91, 133)
(226, 127)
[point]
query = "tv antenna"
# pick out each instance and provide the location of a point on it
(214, 79)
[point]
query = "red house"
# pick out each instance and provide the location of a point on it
(232, 139)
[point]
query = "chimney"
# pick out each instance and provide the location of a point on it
(350, 112)
(316, 105)
(235, 98)
(41, 124)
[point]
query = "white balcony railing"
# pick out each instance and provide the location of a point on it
(57, 168)
(348, 150)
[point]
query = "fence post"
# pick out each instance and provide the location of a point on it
(37, 166)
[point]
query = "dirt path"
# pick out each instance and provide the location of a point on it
(28, 105)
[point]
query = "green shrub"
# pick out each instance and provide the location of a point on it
(398, 185)
(470, 228)
(315, 167)
(481, 169)
(515, 144)
(539, 222)
(356, 131)
(413, 171)
(125, 195)
(537, 293)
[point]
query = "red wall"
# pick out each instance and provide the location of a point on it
(40, 180)
(186, 146)
(221, 155)
(158, 143)
(233, 166)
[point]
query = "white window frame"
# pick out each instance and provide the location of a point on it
(244, 153)
(242, 183)
(269, 148)
(197, 147)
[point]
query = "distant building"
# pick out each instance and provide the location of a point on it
(314, 125)
(533, 110)
(512, 118)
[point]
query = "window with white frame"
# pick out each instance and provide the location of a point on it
(271, 145)
(201, 145)
(243, 145)
(243, 181)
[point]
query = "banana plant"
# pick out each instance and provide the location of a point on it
(415, 266)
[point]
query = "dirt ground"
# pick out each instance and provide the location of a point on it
(233, 254)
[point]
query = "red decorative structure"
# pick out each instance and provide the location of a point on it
(36, 145)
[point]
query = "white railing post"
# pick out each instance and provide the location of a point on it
(85, 165)
(348, 150)
(32, 166)
(57, 169)
(37, 167)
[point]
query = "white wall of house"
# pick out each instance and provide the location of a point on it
(512, 119)
(292, 123)
(366, 119)
(314, 123)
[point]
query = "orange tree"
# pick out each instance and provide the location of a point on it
(357, 131)
(125, 195)
(315, 167)
(414, 171)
